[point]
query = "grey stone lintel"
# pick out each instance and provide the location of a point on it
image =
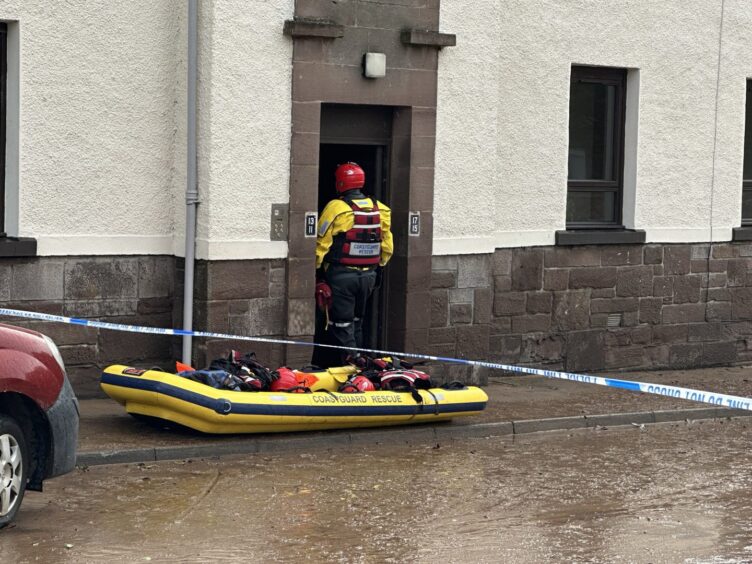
(603, 237)
(305, 27)
(18, 247)
(742, 233)
(427, 38)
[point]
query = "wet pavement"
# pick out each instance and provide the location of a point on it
(674, 492)
(107, 429)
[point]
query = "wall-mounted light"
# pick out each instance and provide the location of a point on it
(374, 65)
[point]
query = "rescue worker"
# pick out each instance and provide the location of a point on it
(353, 243)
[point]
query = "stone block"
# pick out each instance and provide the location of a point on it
(603, 277)
(505, 349)
(40, 279)
(723, 251)
(670, 334)
(558, 257)
(741, 303)
(301, 278)
(527, 269)
(443, 279)
(64, 334)
(641, 335)
(473, 341)
(599, 320)
(461, 295)
(700, 252)
(663, 286)
(502, 283)
(444, 262)
(129, 348)
(415, 312)
(704, 332)
(482, 305)
(618, 255)
(101, 278)
(267, 315)
(617, 338)
(653, 254)
(650, 310)
(502, 262)
(78, 354)
(301, 317)
(100, 308)
(658, 356)
(683, 313)
(147, 306)
(156, 276)
(625, 357)
(439, 308)
(85, 381)
(509, 303)
(460, 313)
(737, 272)
(474, 271)
(685, 355)
(585, 350)
(603, 293)
(699, 266)
(539, 302)
(717, 280)
(571, 311)
(442, 335)
(540, 349)
(531, 323)
(556, 279)
(721, 311)
(719, 353)
(676, 259)
(719, 295)
(501, 325)
(687, 289)
(237, 279)
(615, 305)
(635, 281)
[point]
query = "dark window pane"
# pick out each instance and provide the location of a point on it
(592, 115)
(591, 206)
(748, 139)
(747, 206)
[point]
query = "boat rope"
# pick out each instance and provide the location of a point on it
(712, 398)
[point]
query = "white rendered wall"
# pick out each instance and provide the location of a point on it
(244, 129)
(96, 124)
(675, 47)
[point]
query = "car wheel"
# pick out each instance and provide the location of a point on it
(13, 463)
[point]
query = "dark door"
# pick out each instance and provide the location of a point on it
(361, 135)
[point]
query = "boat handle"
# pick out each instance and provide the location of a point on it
(223, 406)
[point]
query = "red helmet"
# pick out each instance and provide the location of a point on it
(349, 176)
(286, 381)
(404, 380)
(357, 384)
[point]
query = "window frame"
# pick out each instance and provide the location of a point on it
(611, 76)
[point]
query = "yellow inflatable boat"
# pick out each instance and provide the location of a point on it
(176, 399)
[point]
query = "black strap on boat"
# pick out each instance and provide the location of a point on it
(454, 385)
(435, 402)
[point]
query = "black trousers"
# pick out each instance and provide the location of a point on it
(351, 289)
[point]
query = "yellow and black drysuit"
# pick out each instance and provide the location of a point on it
(354, 240)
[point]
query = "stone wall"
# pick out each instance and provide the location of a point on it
(597, 307)
(119, 289)
(242, 297)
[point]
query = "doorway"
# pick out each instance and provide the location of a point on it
(359, 134)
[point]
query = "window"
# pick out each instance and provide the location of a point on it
(597, 106)
(747, 174)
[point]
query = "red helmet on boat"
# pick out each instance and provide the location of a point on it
(286, 381)
(349, 176)
(357, 384)
(404, 380)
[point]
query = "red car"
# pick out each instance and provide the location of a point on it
(38, 416)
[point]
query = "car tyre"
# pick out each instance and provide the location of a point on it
(13, 467)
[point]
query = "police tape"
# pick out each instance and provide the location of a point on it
(717, 399)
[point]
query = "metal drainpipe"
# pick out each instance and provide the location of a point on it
(191, 192)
